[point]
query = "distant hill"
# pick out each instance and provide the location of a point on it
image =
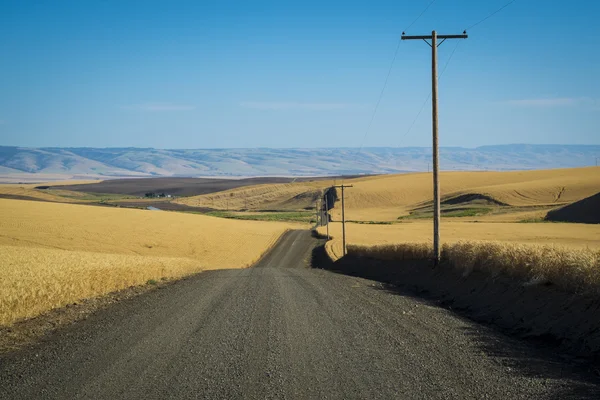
(140, 162)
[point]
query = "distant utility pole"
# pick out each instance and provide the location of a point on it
(317, 212)
(344, 252)
(434, 115)
(327, 213)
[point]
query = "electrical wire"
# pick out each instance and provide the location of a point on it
(420, 15)
(491, 15)
(378, 100)
(387, 77)
(429, 96)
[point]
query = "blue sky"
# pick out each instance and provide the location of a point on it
(208, 74)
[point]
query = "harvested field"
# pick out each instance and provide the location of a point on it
(286, 196)
(385, 198)
(179, 186)
(54, 254)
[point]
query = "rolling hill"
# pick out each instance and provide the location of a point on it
(35, 164)
(385, 198)
(527, 194)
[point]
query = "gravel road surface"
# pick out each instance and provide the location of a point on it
(284, 330)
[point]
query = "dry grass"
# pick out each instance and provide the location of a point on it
(54, 254)
(560, 234)
(573, 270)
(399, 251)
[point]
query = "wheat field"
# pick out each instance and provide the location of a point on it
(566, 254)
(575, 236)
(53, 254)
(385, 198)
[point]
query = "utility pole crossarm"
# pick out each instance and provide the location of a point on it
(425, 37)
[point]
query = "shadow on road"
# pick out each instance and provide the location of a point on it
(536, 357)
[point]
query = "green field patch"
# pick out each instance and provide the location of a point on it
(84, 196)
(449, 213)
(290, 216)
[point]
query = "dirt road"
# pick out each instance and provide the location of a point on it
(284, 330)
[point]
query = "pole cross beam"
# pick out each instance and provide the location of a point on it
(434, 116)
(425, 37)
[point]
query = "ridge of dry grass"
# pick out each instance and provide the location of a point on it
(573, 270)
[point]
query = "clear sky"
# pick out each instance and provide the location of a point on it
(207, 74)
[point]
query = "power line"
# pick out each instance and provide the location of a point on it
(379, 99)
(420, 15)
(448, 61)
(491, 15)
(429, 96)
(387, 77)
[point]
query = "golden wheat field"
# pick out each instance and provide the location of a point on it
(52, 254)
(385, 198)
(568, 235)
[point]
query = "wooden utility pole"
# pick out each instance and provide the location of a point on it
(327, 213)
(434, 117)
(317, 211)
(344, 252)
